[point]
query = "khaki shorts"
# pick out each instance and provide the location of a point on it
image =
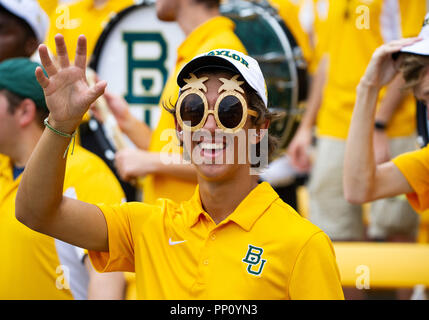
(341, 220)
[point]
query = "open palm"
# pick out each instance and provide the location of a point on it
(67, 93)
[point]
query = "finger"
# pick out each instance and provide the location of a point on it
(397, 45)
(80, 59)
(47, 63)
(119, 168)
(62, 54)
(108, 96)
(96, 91)
(302, 160)
(406, 41)
(41, 78)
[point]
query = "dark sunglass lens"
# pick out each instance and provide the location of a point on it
(192, 109)
(230, 111)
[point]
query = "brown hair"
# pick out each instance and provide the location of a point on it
(413, 68)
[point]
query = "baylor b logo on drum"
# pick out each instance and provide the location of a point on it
(147, 73)
(253, 258)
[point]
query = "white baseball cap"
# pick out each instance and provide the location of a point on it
(421, 47)
(230, 59)
(31, 12)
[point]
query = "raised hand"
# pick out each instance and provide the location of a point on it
(298, 150)
(382, 67)
(67, 93)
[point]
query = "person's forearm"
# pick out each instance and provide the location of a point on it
(40, 190)
(138, 132)
(105, 286)
(176, 167)
(359, 162)
(315, 96)
(391, 101)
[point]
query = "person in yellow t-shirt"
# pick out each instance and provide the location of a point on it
(205, 30)
(408, 173)
(35, 266)
(213, 246)
(352, 31)
(88, 17)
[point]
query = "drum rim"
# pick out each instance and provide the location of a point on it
(96, 54)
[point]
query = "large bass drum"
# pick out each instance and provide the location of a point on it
(135, 54)
(268, 40)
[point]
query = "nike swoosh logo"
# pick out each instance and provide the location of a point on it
(173, 243)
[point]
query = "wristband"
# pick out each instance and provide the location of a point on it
(379, 125)
(62, 134)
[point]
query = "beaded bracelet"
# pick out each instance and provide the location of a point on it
(62, 134)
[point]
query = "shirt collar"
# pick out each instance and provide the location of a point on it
(198, 36)
(248, 211)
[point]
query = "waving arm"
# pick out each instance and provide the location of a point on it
(39, 203)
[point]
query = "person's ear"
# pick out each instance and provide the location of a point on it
(26, 112)
(179, 131)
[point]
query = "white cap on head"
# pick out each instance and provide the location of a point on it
(421, 47)
(229, 59)
(31, 12)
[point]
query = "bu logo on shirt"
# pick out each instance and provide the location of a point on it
(254, 261)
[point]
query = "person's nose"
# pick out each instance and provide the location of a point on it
(210, 123)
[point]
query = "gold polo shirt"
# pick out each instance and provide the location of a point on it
(262, 250)
(215, 33)
(414, 166)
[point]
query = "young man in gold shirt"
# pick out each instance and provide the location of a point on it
(213, 246)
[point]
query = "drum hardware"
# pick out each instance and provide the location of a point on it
(270, 57)
(299, 58)
(283, 85)
(422, 125)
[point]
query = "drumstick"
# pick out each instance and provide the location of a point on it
(106, 114)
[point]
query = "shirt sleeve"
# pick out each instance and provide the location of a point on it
(120, 256)
(415, 168)
(315, 275)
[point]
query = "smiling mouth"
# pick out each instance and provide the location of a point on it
(211, 150)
